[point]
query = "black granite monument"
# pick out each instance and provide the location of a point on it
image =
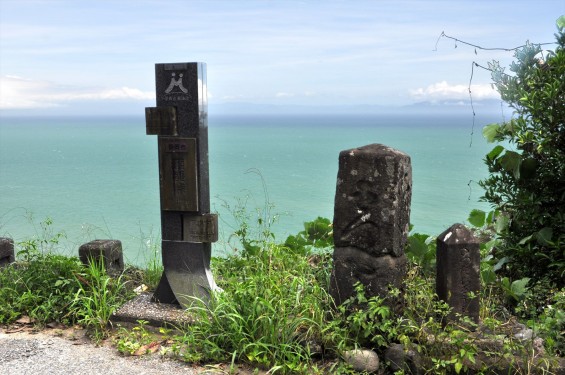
(180, 122)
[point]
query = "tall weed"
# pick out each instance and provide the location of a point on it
(97, 297)
(270, 313)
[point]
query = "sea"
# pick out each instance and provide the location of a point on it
(78, 179)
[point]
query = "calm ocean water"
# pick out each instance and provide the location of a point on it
(98, 177)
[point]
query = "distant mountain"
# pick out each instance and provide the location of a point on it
(452, 107)
(137, 108)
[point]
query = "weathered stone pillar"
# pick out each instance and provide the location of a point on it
(371, 220)
(109, 251)
(6, 251)
(458, 261)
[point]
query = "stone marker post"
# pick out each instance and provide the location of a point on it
(180, 121)
(108, 251)
(458, 261)
(371, 220)
(6, 251)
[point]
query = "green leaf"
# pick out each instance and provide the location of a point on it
(544, 236)
(500, 263)
(510, 161)
(505, 283)
(490, 217)
(525, 240)
(528, 168)
(490, 132)
(487, 274)
(561, 22)
(493, 154)
(502, 222)
(477, 218)
(458, 367)
(417, 247)
(518, 287)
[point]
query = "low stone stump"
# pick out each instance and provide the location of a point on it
(7, 255)
(109, 251)
(399, 358)
(371, 221)
(458, 261)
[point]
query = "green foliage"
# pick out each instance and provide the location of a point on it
(154, 265)
(551, 323)
(527, 169)
(252, 230)
(367, 322)
(561, 22)
(477, 218)
(271, 309)
(49, 287)
(40, 286)
(316, 234)
(516, 289)
(138, 340)
(96, 299)
(421, 250)
(275, 313)
(41, 289)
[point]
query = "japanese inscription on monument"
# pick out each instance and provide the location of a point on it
(178, 175)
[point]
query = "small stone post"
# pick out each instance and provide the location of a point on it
(6, 251)
(371, 220)
(458, 262)
(109, 251)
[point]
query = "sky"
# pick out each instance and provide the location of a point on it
(97, 57)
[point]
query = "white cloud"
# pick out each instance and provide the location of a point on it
(284, 95)
(111, 94)
(21, 93)
(444, 91)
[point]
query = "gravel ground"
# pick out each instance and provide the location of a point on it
(43, 353)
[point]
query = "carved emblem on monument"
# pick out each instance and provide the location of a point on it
(176, 82)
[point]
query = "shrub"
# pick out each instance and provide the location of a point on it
(526, 183)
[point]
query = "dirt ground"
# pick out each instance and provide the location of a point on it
(68, 350)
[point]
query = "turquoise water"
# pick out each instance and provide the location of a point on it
(98, 177)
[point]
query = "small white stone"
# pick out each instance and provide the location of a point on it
(525, 334)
